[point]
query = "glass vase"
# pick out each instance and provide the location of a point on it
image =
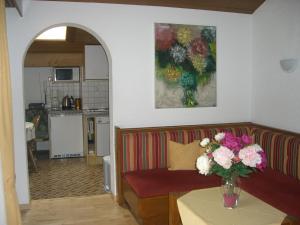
(231, 191)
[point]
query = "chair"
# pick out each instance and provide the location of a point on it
(31, 145)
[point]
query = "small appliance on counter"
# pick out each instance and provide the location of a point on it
(66, 103)
(78, 103)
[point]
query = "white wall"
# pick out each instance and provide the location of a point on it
(35, 83)
(2, 200)
(128, 34)
(276, 36)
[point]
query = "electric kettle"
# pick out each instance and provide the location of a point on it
(66, 103)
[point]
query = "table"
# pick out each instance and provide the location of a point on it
(205, 207)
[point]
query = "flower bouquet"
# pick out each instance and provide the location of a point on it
(230, 156)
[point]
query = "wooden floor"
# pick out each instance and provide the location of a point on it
(93, 210)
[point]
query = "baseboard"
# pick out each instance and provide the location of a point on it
(114, 197)
(24, 206)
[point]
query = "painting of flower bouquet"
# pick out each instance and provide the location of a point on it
(185, 66)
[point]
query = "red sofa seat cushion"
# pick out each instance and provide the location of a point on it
(158, 182)
(275, 188)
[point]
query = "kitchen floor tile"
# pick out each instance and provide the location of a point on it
(58, 178)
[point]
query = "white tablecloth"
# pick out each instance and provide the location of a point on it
(205, 207)
(30, 131)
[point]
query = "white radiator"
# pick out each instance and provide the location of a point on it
(106, 170)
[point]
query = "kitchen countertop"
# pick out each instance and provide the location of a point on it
(100, 113)
(59, 112)
(64, 112)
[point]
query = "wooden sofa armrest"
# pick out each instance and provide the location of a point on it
(118, 142)
(290, 220)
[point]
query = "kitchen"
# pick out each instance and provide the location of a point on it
(66, 82)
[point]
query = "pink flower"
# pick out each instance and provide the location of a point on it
(247, 140)
(164, 37)
(249, 156)
(223, 156)
(232, 142)
(263, 163)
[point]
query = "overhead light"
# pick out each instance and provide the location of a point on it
(289, 65)
(56, 33)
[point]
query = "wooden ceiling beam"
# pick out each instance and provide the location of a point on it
(55, 47)
(238, 6)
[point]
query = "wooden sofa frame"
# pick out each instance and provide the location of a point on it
(163, 210)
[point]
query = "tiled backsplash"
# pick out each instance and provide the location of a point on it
(56, 92)
(94, 93)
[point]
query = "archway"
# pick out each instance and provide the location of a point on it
(49, 58)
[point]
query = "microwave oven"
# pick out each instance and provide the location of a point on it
(66, 74)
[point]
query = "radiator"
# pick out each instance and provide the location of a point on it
(106, 170)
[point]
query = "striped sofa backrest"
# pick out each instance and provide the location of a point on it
(282, 149)
(144, 149)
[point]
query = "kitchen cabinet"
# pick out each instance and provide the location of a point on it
(96, 63)
(66, 135)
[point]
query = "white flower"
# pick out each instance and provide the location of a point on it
(219, 136)
(203, 164)
(257, 147)
(204, 142)
(223, 156)
(250, 156)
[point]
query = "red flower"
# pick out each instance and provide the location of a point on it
(210, 155)
(164, 37)
(236, 159)
(198, 46)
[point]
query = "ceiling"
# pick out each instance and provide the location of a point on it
(75, 40)
(238, 6)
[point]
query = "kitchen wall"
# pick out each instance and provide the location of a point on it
(276, 36)
(127, 34)
(56, 92)
(38, 88)
(36, 85)
(95, 94)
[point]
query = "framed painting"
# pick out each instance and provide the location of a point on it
(185, 66)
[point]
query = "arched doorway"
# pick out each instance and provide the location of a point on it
(63, 86)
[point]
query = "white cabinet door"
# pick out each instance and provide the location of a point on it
(66, 139)
(96, 63)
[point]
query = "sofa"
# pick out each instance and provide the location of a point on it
(150, 190)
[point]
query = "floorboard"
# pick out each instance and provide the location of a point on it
(92, 210)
